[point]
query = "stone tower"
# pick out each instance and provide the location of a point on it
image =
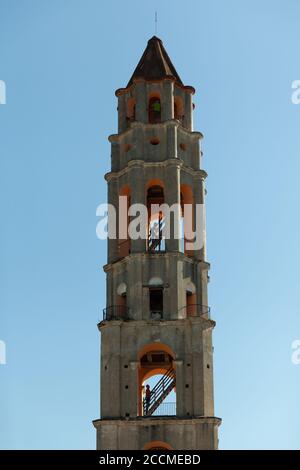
(157, 320)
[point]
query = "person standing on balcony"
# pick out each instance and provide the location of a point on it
(147, 397)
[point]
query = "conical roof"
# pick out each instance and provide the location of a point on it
(155, 64)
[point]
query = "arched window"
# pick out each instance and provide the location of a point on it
(156, 298)
(157, 445)
(156, 281)
(178, 108)
(130, 116)
(191, 307)
(155, 196)
(176, 115)
(154, 110)
(121, 306)
(157, 381)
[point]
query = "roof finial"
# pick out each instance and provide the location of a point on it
(155, 20)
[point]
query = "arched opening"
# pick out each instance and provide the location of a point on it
(121, 306)
(187, 217)
(124, 240)
(156, 281)
(157, 381)
(155, 196)
(130, 116)
(168, 406)
(119, 309)
(178, 108)
(157, 445)
(191, 307)
(154, 110)
(156, 301)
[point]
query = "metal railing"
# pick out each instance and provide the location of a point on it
(161, 390)
(166, 409)
(121, 312)
(116, 312)
(156, 245)
(195, 310)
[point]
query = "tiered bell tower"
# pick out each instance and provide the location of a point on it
(157, 320)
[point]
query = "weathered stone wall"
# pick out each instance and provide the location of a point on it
(194, 434)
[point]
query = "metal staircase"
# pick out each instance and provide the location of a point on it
(155, 235)
(161, 390)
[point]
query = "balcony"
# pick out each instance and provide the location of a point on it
(188, 311)
(116, 312)
(165, 409)
(121, 312)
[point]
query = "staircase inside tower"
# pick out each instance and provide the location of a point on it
(159, 392)
(155, 198)
(156, 241)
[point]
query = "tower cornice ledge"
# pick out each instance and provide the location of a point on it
(142, 164)
(170, 78)
(169, 123)
(204, 265)
(147, 420)
(205, 323)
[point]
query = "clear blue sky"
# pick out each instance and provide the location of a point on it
(62, 61)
